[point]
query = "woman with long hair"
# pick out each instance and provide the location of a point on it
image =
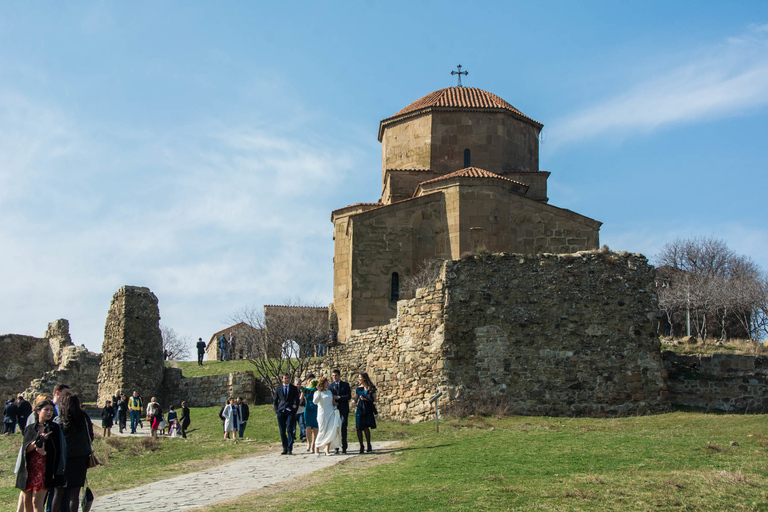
(365, 415)
(310, 412)
(41, 455)
(155, 418)
(78, 432)
(328, 419)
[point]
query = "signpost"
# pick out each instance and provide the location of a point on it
(433, 400)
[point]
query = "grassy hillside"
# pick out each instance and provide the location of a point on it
(192, 369)
(678, 461)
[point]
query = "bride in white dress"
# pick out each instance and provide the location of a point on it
(328, 419)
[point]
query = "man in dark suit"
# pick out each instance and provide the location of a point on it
(341, 393)
(286, 401)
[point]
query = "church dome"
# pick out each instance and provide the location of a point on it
(461, 98)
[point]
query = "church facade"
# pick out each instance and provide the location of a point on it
(460, 175)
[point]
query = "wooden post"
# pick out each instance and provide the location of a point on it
(437, 411)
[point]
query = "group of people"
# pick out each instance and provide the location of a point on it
(234, 415)
(120, 406)
(321, 408)
(16, 412)
(55, 453)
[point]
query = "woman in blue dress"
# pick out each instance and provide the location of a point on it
(310, 412)
(365, 415)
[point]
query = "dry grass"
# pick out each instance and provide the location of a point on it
(733, 346)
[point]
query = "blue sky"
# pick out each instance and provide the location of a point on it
(198, 148)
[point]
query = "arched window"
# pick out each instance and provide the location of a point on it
(394, 294)
(466, 158)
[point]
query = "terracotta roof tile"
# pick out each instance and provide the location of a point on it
(461, 97)
(471, 172)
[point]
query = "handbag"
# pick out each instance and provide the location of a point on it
(92, 460)
(87, 500)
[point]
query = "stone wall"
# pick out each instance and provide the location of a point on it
(726, 382)
(133, 346)
(211, 390)
(562, 335)
(78, 368)
(24, 358)
(34, 365)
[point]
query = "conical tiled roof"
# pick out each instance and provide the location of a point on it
(461, 97)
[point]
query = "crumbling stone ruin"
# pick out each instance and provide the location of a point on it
(132, 356)
(33, 365)
(564, 335)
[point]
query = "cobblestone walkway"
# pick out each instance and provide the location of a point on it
(219, 483)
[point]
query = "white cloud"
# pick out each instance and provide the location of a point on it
(210, 217)
(724, 80)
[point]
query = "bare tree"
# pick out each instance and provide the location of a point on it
(178, 346)
(427, 273)
(708, 286)
(285, 338)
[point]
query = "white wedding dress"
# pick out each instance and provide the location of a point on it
(328, 421)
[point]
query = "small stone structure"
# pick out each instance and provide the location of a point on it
(211, 390)
(563, 335)
(33, 365)
(133, 345)
(725, 382)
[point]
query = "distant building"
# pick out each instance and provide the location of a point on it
(242, 338)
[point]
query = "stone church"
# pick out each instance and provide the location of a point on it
(459, 174)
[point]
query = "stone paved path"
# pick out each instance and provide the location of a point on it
(219, 483)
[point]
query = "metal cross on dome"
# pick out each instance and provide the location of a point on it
(459, 72)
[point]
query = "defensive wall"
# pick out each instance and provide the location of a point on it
(564, 335)
(725, 382)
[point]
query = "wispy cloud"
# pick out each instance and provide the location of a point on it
(211, 217)
(726, 79)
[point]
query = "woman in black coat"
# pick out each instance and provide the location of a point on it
(78, 432)
(184, 419)
(41, 457)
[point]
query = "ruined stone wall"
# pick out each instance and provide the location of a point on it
(569, 334)
(34, 365)
(24, 358)
(403, 358)
(211, 390)
(726, 382)
(548, 334)
(133, 346)
(78, 368)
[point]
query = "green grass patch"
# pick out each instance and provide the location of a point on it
(679, 461)
(682, 461)
(192, 369)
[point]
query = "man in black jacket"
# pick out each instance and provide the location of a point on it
(341, 393)
(286, 401)
(244, 413)
(10, 413)
(200, 351)
(25, 409)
